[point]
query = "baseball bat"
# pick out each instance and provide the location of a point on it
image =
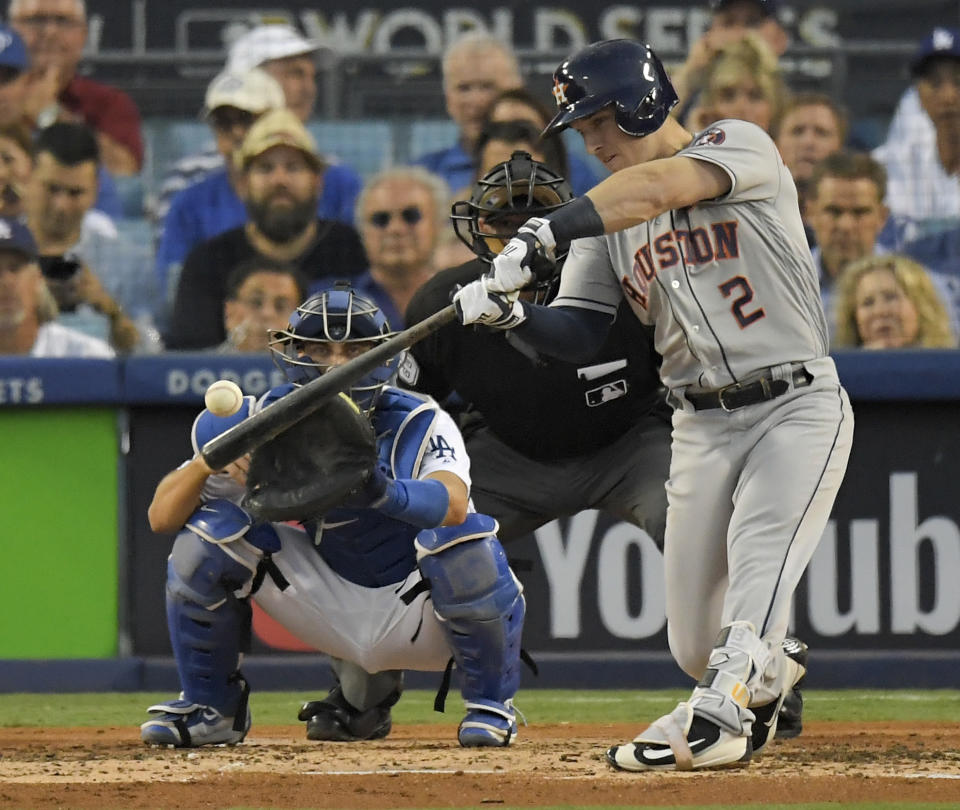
(301, 402)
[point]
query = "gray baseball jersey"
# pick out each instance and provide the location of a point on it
(733, 294)
(730, 289)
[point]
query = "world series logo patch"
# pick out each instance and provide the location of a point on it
(711, 137)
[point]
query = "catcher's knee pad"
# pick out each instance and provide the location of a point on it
(480, 603)
(221, 521)
(208, 624)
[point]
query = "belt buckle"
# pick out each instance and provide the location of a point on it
(733, 388)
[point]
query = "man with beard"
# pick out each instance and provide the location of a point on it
(80, 252)
(280, 178)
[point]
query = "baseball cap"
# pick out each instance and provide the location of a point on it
(279, 127)
(266, 42)
(939, 42)
(14, 235)
(768, 7)
(254, 90)
(13, 53)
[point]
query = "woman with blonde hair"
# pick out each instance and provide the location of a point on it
(890, 302)
(742, 81)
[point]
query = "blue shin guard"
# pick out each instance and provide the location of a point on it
(209, 627)
(481, 604)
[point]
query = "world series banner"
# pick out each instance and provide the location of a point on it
(852, 49)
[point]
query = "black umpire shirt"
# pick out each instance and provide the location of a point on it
(197, 318)
(544, 408)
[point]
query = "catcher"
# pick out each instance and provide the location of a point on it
(380, 484)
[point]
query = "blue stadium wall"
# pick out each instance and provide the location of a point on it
(879, 604)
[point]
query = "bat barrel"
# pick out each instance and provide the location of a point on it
(301, 402)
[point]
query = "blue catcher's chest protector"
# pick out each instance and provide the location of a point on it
(364, 545)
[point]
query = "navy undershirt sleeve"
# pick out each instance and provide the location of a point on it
(568, 333)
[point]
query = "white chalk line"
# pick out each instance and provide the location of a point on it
(397, 771)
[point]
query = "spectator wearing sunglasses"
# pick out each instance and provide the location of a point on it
(280, 175)
(400, 214)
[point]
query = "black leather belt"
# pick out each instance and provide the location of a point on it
(739, 395)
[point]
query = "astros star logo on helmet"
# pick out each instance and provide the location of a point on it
(560, 92)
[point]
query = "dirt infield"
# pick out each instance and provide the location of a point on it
(421, 766)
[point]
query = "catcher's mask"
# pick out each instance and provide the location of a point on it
(335, 317)
(503, 199)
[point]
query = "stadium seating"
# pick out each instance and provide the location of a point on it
(366, 146)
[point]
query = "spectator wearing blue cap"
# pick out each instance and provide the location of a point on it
(730, 22)
(13, 77)
(923, 190)
(27, 309)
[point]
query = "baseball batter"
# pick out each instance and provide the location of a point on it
(701, 234)
(354, 583)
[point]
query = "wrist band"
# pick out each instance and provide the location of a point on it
(422, 503)
(576, 220)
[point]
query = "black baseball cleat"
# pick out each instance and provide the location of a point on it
(782, 719)
(790, 724)
(333, 719)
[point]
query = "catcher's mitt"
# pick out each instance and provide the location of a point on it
(313, 466)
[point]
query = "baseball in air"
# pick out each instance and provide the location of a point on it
(223, 398)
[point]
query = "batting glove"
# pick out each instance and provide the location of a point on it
(533, 245)
(479, 303)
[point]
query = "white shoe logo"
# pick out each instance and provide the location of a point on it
(663, 753)
(657, 753)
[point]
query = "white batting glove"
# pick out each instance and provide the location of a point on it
(512, 268)
(478, 303)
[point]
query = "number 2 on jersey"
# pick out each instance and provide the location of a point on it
(739, 304)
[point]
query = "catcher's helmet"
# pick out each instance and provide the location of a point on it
(621, 72)
(504, 198)
(338, 315)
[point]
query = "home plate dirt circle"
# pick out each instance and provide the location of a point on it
(422, 766)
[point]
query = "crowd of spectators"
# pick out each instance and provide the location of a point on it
(242, 230)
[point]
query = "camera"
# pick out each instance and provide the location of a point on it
(59, 271)
(59, 268)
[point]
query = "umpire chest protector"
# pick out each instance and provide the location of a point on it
(364, 545)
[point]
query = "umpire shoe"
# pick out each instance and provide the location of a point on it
(782, 719)
(333, 719)
(183, 724)
(682, 741)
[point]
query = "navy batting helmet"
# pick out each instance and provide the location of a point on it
(338, 315)
(618, 72)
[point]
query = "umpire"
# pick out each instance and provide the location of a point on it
(546, 438)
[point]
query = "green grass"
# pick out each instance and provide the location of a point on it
(539, 705)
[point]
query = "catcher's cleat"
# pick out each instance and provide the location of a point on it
(782, 718)
(333, 719)
(488, 724)
(183, 724)
(682, 741)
